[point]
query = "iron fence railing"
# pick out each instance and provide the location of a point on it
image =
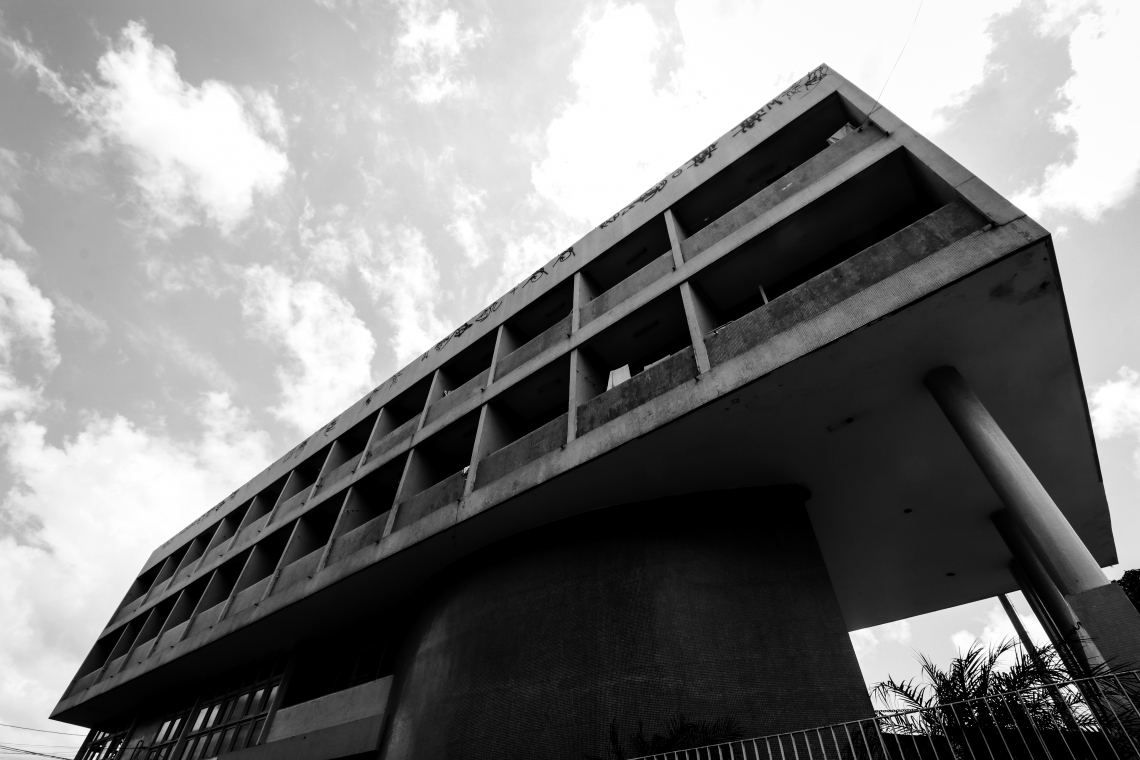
(1084, 719)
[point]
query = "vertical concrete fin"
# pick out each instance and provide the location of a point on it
(285, 558)
(336, 531)
(699, 317)
(676, 237)
(417, 472)
(435, 393)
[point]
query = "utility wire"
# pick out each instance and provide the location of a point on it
(896, 63)
(40, 730)
(19, 751)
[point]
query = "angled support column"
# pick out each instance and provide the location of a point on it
(1099, 607)
(1055, 614)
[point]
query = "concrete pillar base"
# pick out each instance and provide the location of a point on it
(1109, 618)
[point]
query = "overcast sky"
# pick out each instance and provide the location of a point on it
(223, 222)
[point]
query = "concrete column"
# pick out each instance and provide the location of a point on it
(1066, 558)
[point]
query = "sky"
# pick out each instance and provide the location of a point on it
(221, 223)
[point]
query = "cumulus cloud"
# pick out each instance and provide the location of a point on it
(1105, 160)
(83, 517)
(432, 49)
(867, 639)
(335, 245)
(27, 317)
(406, 283)
(1115, 408)
(329, 349)
(633, 119)
(996, 628)
(196, 152)
(465, 224)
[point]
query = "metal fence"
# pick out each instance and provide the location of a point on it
(1084, 719)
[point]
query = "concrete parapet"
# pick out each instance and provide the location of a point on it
(634, 392)
(358, 702)
(393, 439)
(636, 282)
(791, 183)
(357, 538)
(425, 502)
(525, 450)
(933, 232)
(549, 337)
(456, 397)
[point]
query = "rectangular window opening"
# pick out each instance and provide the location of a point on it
(538, 326)
(525, 422)
(874, 204)
(806, 136)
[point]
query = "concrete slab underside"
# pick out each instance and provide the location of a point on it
(535, 646)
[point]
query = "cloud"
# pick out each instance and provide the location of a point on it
(83, 517)
(11, 215)
(432, 49)
(406, 282)
(328, 349)
(335, 245)
(465, 224)
(997, 628)
(196, 153)
(170, 345)
(649, 96)
(1105, 162)
(1115, 409)
(867, 639)
(77, 316)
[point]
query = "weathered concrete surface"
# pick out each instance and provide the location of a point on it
(345, 740)
(456, 397)
(651, 272)
(291, 505)
(525, 450)
(340, 472)
(248, 596)
(532, 647)
(914, 243)
(637, 390)
(551, 336)
(299, 570)
(357, 538)
(363, 701)
(425, 502)
(390, 441)
(1112, 622)
(812, 170)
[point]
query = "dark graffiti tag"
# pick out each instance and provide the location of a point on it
(481, 316)
(805, 85)
(640, 199)
(703, 156)
(563, 256)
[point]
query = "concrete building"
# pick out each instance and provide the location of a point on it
(818, 378)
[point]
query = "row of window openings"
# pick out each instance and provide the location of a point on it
(721, 304)
(722, 294)
(633, 262)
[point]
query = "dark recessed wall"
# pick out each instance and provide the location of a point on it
(715, 605)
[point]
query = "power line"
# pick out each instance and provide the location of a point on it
(19, 751)
(40, 730)
(896, 63)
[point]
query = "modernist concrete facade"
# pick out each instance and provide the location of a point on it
(819, 377)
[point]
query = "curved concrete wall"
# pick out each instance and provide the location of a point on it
(714, 605)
